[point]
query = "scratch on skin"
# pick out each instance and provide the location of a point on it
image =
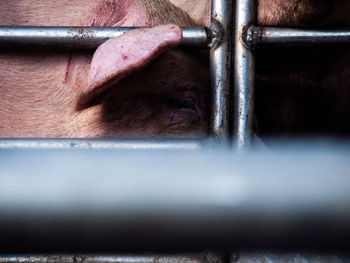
(69, 68)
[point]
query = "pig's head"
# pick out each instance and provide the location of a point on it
(131, 86)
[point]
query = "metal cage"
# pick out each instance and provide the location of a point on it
(221, 37)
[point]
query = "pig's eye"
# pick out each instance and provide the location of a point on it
(182, 103)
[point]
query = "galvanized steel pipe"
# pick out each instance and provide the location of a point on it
(109, 200)
(220, 68)
(244, 68)
(99, 144)
(274, 36)
(83, 37)
(204, 257)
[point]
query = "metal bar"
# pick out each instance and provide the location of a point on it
(83, 37)
(175, 144)
(108, 201)
(274, 36)
(272, 256)
(220, 67)
(243, 108)
(205, 257)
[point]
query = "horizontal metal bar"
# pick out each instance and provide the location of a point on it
(205, 257)
(84, 37)
(273, 256)
(273, 36)
(175, 144)
(105, 200)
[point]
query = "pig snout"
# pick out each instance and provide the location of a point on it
(121, 56)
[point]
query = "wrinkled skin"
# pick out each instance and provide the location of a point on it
(122, 90)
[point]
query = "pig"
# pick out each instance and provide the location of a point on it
(135, 85)
(142, 85)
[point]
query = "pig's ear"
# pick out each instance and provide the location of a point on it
(119, 57)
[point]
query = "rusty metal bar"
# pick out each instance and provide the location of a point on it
(84, 37)
(244, 61)
(220, 68)
(274, 36)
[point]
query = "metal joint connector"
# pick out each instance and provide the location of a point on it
(251, 37)
(215, 34)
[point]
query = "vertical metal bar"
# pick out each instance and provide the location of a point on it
(220, 67)
(243, 75)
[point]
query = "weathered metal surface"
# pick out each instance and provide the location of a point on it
(244, 74)
(220, 69)
(175, 144)
(288, 257)
(83, 37)
(256, 37)
(205, 257)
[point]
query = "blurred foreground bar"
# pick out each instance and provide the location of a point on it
(112, 200)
